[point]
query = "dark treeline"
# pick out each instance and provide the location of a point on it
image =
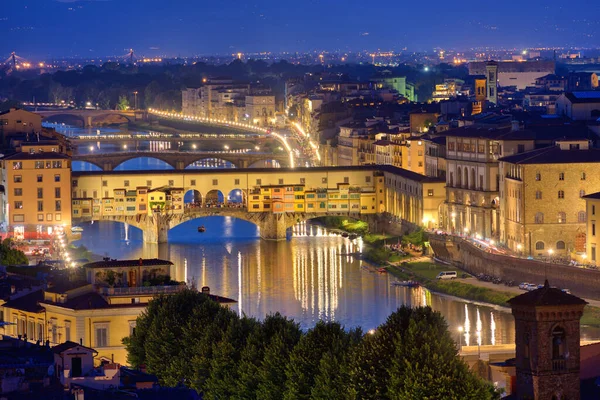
(159, 86)
(189, 339)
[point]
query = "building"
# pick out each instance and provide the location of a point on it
(580, 81)
(398, 83)
(16, 120)
(592, 203)
(547, 336)
(552, 83)
(579, 106)
(472, 177)
(97, 313)
(413, 155)
(260, 109)
(519, 74)
(37, 194)
(447, 90)
(491, 73)
(543, 205)
(435, 156)
(190, 102)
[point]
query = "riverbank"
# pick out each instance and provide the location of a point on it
(469, 288)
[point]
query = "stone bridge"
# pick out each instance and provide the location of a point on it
(272, 226)
(89, 116)
(179, 160)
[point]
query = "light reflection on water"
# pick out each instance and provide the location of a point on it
(315, 275)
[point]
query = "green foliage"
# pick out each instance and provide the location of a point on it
(417, 238)
(123, 103)
(9, 255)
(187, 338)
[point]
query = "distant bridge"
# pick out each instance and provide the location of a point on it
(179, 160)
(88, 117)
(272, 226)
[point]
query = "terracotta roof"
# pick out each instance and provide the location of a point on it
(27, 303)
(546, 296)
(554, 155)
(22, 155)
(595, 196)
(145, 262)
(61, 348)
(64, 286)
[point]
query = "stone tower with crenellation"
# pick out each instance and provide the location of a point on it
(547, 344)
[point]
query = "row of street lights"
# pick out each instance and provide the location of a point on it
(460, 334)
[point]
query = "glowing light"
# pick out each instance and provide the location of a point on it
(91, 148)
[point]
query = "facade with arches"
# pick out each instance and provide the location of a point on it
(543, 199)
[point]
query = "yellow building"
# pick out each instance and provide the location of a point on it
(97, 313)
(37, 192)
(413, 155)
(592, 202)
(543, 209)
(17, 120)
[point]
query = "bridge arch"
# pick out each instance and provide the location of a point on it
(66, 118)
(214, 197)
(121, 165)
(192, 198)
(266, 163)
(237, 196)
(206, 162)
(85, 166)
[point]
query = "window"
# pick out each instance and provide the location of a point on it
(581, 217)
(429, 192)
(323, 180)
(57, 205)
(562, 217)
(593, 228)
(215, 182)
(148, 183)
(581, 193)
(539, 245)
(561, 176)
(41, 216)
(67, 330)
(125, 183)
(57, 217)
(259, 181)
(302, 181)
(40, 206)
(538, 195)
(18, 218)
(132, 325)
(346, 179)
(538, 176)
(57, 193)
(56, 164)
(561, 194)
(101, 335)
(57, 178)
(237, 182)
(17, 165)
(367, 179)
(593, 210)
(18, 192)
(520, 148)
(171, 182)
(281, 181)
(18, 205)
(40, 178)
(39, 165)
(40, 193)
(539, 218)
(74, 183)
(17, 179)
(593, 250)
(560, 245)
(583, 176)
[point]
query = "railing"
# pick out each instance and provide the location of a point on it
(559, 365)
(141, 290)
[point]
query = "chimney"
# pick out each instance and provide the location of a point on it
(515, 126)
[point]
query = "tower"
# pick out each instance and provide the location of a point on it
(547, 344)
(491, 69)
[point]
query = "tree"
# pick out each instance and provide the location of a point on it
(123, 103)
(9, 255)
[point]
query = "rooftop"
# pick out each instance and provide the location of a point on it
(61, 348)
(27, 303)
(594, 196)
(583, 97)
(50, 155)
(63, 286)
(546, 296)
(554, 155)
(144, 262)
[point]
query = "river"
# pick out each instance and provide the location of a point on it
(308, 277)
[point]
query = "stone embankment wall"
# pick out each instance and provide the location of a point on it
(466, 256)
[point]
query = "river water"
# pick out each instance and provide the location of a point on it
(312, 275)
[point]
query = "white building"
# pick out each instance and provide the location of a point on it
(579, 106)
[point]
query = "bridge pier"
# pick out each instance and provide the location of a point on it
(273, 226)
(88, 121)
(156, 228)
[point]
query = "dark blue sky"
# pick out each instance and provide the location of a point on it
(42, 28)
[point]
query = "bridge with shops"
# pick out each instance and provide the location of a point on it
(89, 118)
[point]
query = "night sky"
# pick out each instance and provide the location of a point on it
(46, 28)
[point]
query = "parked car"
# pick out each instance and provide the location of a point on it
(531, 286)
(567, 291)
(447, 275)
(523, 285)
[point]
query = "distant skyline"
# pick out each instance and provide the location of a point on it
(95, 28)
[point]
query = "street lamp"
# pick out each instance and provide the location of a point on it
(91, 148)
(125, 146)
(194, 146)
(226, 147)
(135, 100)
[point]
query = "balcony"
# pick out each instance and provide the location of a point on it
(559, 364)
(125, 291)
